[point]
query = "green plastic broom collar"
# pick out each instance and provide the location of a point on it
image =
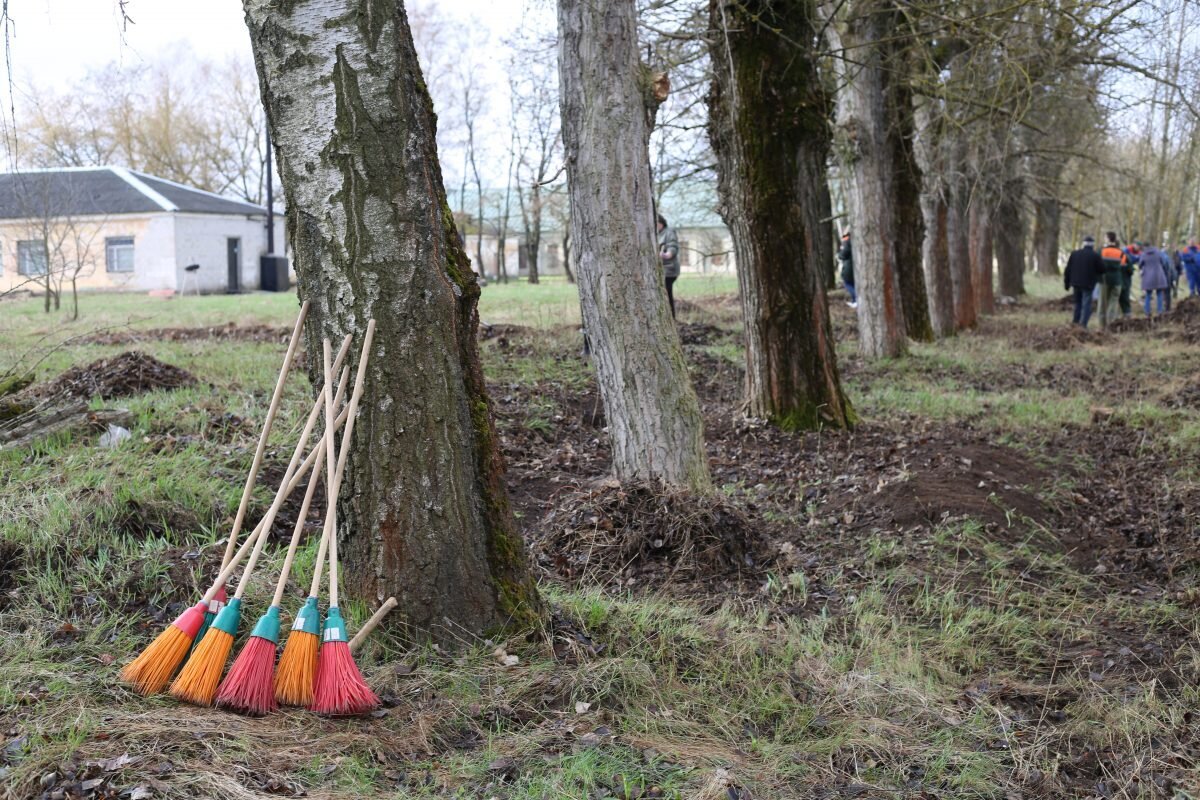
(227, 620)
(335, 629)
(308, 618)
(267, 626)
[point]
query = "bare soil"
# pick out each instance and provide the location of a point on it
(130, 373)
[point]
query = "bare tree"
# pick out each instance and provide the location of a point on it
(653, 415)
(426, 516)
(773, 197)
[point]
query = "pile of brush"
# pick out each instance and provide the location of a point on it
(315, 671)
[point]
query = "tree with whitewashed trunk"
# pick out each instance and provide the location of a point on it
(858, 35)
(769, 128)
(424, 513)
(653, 416)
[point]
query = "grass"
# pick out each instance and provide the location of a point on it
(948, 664)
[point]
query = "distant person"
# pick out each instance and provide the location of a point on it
(1084, 270)
(1114, 259)
(668, 251)
(1174, 266)
(1154, 265)
(1133, 255)
(1191, 267)
(846, 256)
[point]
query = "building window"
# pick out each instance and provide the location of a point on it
(118, 254)
(685, 253)
(31, 257)
(718, 259)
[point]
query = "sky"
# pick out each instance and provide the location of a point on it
(57, 41)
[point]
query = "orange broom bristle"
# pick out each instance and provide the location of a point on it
(340, 689)
(197, 681)
(247, 689)
(297, 669)
(150, 671)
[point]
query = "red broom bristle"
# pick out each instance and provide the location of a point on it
(296, 673)
(340, 689)
(247, 689)
(197, 681)
(150, 671)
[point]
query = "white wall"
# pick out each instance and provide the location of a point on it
(202, 239)
(154, 254)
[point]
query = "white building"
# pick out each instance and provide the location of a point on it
(113, 228)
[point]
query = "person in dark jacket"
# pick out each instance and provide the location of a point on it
(668, 251)
(1084, 269)
(846, 255)
(1154, 276)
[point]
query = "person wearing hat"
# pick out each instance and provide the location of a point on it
(1084, 269)
(1114, 262)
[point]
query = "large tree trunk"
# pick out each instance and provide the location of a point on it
(936, 251)
(771, 189)
(425, 515)
(863, 149)
(653, 416)
(909, 219)
(1008, 236)
(982, 256)
(1047, 218)
(958, 236)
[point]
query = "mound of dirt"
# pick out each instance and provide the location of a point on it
(978, 481)
(652, 535)
(1187, 309)
(129, 373)
(699, 333)
(1187, 397)
(1069, 338)
(227, 332)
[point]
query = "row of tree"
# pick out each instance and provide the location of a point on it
(939, 124)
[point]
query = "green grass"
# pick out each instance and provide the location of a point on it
(947, 663)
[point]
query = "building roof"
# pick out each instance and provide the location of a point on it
(98, 191)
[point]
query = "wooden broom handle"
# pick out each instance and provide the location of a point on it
(266, 432)
(286, 488)
(313, 482)
(372, 624)
(335, 481)
(331, 489)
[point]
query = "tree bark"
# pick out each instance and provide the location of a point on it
(982, 256)
(425, 516)
(1008, 236)
(862, 146)
(959, 239)
(1047, 219)
(767, 125)
(653, 416)
(909, 219)
(936, 250)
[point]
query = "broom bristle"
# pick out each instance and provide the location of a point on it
(247, 689)
(340, 689)
(197, 681)
(150, 671)
(297, 669)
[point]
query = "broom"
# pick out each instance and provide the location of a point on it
(294, 677)
(248, 687)
(153, 668)
(197, 681)
(340, 689)
(218, 601)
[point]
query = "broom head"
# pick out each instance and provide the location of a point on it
(197, 681)
(247, 689)
(150, 671)
(298, 665)
(340, 689)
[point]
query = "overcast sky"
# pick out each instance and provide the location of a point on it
(57, 41)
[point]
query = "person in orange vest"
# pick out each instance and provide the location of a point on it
(1115, 260)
